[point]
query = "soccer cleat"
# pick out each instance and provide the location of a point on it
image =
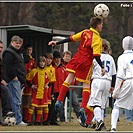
(91, 125)
(99, 126)
(29, 123)
(46, 123)
(54, 123)
(103, 128)
(82, 117)
(113, 130)
(58, 105)
(37, 123)
(9, 114)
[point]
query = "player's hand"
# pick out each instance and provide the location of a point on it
(103, 71)
(34, 86)
(46, 86)
(111, 90)
(114, 96)
(3, 82)
(52, 96)
(53, 43)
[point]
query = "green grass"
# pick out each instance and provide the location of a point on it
(70, 126)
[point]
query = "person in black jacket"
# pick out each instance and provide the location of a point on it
(4, 94)
(15, 75)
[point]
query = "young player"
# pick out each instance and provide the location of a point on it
(123, 91)
(60, 73)
(67, 56)
(26, 97)
(101, 85)
(51, 70)
(51, 104)
(38, 79)
(80, 66)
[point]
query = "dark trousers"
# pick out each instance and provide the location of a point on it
(52, 115)
(5, 100)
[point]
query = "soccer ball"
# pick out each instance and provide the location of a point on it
(101, 10)
(10, 121)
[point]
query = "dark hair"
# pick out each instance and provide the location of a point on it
(56, 54)
(95, 21)
(27, 46)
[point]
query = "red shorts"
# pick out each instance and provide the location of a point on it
(82, 67)
(36, 102)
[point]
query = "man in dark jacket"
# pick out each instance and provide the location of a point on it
(4, 94)
(15, 75)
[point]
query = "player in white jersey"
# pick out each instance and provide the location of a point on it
(123, 91)
(101, 85)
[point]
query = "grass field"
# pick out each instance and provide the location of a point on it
(72, 126)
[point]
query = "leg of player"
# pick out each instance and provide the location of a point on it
(114, 118)
(83, 110)
(63, 90)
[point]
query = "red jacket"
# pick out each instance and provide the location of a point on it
(60, 73)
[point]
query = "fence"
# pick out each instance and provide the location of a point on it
(108, 108)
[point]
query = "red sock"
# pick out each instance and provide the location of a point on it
(30, 113)
(63, 90)
(25, 113)
(45, 114)
(85, 97)
(89, 114)
(38, 115)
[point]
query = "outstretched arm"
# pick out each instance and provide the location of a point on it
(59, 42)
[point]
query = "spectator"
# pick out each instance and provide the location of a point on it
(60, 74)
(4, 94)
(38, 80)
(67, 55)
(15, 75)
(26, 97)
(51, 100)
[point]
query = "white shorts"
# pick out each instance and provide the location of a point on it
(99, 92)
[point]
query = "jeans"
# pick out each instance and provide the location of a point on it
(5, 100)
(15, 90)
(129, 115)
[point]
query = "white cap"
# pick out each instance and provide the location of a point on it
(127, 43)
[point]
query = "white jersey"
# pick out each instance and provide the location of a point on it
(100, 85)
(124, 92)
(109, 66)
(125, 65)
